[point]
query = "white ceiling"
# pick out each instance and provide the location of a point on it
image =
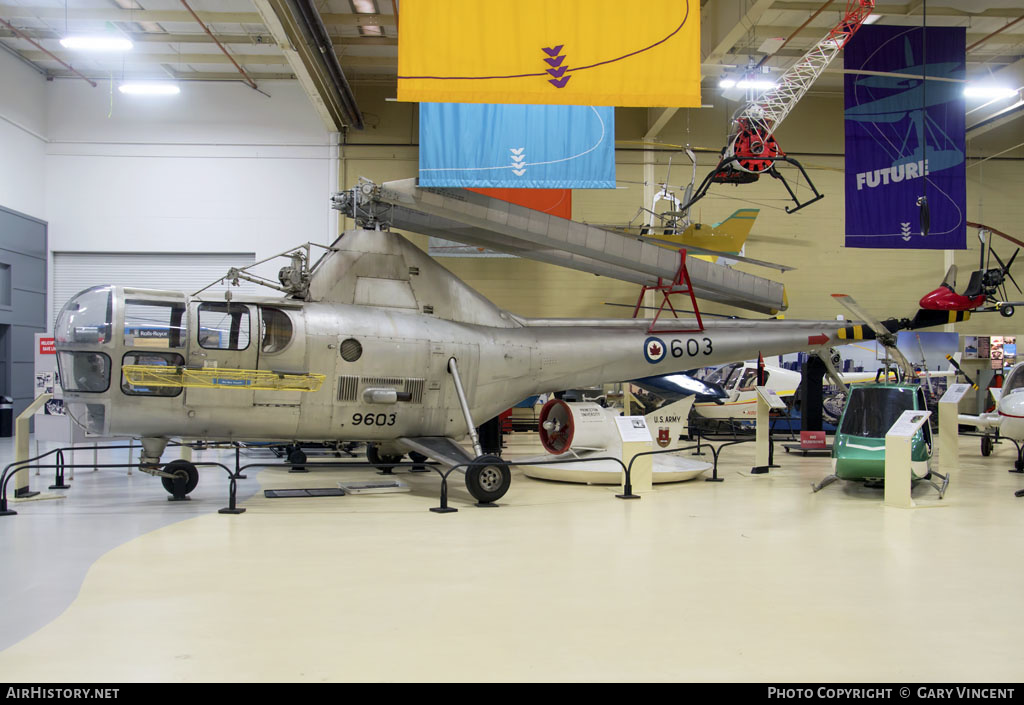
(169, 43)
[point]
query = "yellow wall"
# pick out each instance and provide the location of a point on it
(886, 282)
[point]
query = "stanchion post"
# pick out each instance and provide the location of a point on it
(58, 474)
(444, 508)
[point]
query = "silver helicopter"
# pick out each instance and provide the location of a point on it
(377, 342)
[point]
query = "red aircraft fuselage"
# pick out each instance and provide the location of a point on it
(946, 299)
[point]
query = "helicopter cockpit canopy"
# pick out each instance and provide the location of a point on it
(1015, 381)
(871, 411)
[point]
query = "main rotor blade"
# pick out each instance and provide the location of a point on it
(703, 251)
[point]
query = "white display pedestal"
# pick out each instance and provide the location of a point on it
(897, 458)
(636, 438)
(949, 441)
(767, 399)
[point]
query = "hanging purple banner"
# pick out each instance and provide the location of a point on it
(905, 139)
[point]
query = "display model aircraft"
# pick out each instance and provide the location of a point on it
(738, 380)
(673, 229)
(1007, 421)
(374, 342)
(858, 451)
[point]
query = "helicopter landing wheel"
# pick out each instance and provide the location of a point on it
(186, 477)
(297, 459)
(420, 459)
(384, 463)
(986, 446)
(489, 480)
(1006, 311)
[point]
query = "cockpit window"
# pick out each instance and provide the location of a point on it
(1015, 380)
(151, 359)
(749, 379)
(723, 375)
(224, 326)
(154, 324)
(87, 318)
(872, 411)
(84, 371)
(277, 330)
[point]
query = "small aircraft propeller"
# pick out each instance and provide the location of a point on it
(1005, 272)
(884, 336)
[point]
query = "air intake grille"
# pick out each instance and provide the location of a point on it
(347, 388)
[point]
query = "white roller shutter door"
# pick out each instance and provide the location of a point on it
(188, 272)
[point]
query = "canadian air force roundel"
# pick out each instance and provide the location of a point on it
(654, 350)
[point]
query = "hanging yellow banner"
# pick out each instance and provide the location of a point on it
(561, 52)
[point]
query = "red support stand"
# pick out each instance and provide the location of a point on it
(679, 285)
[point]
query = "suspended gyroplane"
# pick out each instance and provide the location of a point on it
(374, 341)
(985, 291)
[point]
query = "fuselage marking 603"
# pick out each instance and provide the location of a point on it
(655, 349)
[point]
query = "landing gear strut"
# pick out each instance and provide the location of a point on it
(488, 479)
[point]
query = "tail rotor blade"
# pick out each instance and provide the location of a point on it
(884, 336)
(956, 366)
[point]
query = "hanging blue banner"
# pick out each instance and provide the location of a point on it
(516, 146)
(905, 138)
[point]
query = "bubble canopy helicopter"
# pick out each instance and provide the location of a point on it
(374, 342)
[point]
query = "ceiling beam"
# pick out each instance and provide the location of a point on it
(275, 16)
(723, 23)
(186, 75)
(244, 59)
(190, 38)
(908, 9)
(658, 123)
(808, 38)
(114, 14)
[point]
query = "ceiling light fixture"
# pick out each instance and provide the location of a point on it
(150, 88)
(756, 85)
(989, 91)
(97, 43)
(364, 7)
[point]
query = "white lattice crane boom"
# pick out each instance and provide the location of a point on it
(751, 149)
(767, 111)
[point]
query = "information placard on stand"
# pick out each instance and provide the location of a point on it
(767, 399)
(949, 437)
(898, 442)
(636, 438)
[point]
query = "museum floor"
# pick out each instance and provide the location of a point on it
(752, 579)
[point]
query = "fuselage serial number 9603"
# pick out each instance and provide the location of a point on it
(373, 419)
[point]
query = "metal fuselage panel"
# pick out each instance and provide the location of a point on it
(499, 366)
